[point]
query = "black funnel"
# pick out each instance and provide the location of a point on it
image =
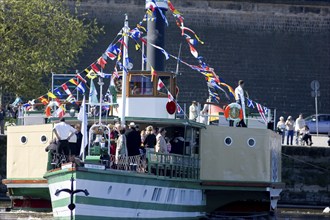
(156, 34)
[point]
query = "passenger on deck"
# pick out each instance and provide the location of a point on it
(63, 133)
(193, 111)
(161, 145)
(121, 149)
(133, 140)
(177, 143)
(79, 139)
(114, 134)
(150, 139)
(72, 146)
(239, 93)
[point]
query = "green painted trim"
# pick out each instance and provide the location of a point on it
(128, 204)
(122, 177)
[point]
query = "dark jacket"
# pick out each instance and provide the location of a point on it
(150, 141)
(133, 139)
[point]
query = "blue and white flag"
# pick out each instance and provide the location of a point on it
(81, 87)
(250, 103)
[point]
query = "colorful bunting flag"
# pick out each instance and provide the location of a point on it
(250, 103)
(102, 62)
(74, 82)
(51, 95)
(169, 96)
(167, 56)
(81, 87)
(71, 99)
(80, 78)
(160, 84)
(261, 112)
(58, 92)
(91, 74)
(95, 68)
(153, 73)
(193, 51)
(111, 55)
(66, 89)
(43, 100)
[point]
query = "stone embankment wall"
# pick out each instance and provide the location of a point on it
(277, 47)
(306, 173)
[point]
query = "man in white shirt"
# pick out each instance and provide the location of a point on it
(299, 126)
(239, 96)
(193, 111)
(63, 132)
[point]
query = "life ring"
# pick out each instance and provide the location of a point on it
(48, 110)
(233, 112)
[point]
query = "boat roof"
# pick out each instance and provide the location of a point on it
(141, 120)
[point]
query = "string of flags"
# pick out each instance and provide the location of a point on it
(161, 85)
(114, 53)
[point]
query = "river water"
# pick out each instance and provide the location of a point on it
(281, 214)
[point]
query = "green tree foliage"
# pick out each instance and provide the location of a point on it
(37, 37)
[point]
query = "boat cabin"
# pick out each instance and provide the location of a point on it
(143, 98)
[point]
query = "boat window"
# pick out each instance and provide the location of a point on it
(144, 193)
(228, 141)
(182, 196)
(140, 85)
(166, 85)
(251, 142)
(109, 189)
(24, 139)
(128, 191)
(43, 139)
(156, 194)
(170, 196)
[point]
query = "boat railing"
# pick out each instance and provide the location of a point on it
(173, 165)
(159, 164)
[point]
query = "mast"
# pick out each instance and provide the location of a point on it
(125, 55)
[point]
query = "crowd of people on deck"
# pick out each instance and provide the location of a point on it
(124, 141)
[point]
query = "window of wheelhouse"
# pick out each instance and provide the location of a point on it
(140, 85)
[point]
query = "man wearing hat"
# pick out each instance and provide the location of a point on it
(133, 139)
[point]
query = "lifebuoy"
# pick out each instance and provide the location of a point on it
(48, 110)
(233, 112)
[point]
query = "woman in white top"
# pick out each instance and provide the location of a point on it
(161, 145)
(281, 128)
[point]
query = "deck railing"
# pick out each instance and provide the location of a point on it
(159, 164)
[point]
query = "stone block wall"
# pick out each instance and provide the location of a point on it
(306, 173)
(277, 47)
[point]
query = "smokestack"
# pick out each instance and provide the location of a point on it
(156, 34)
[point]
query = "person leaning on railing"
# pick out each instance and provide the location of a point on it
(161, 145)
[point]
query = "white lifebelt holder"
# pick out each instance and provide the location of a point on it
(233, 112)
